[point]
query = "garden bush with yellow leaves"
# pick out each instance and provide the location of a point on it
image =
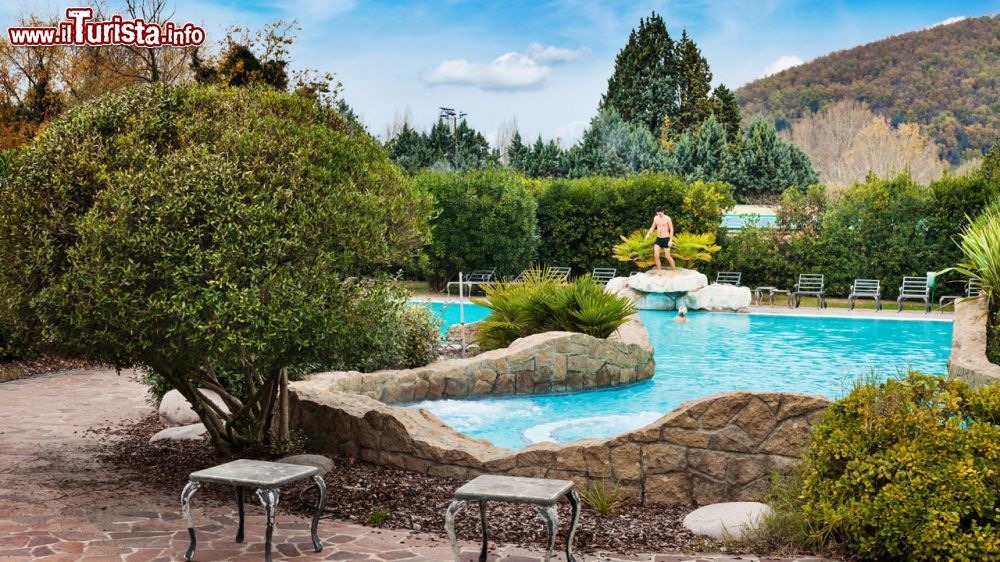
(908, 470)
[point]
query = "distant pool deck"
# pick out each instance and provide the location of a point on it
(887, 313)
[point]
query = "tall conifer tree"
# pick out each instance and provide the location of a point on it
(694, 83)
(643, 87)
(727, 111)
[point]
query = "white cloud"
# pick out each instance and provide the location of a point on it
(784, 62)
(509, 71)
(550, 54)
(949, 21)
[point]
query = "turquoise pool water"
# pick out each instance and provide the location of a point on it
(740, 221)
(449, 313)
(713, 352)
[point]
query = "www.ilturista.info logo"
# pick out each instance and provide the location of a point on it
(78, 30)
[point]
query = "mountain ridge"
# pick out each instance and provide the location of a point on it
(945, 78)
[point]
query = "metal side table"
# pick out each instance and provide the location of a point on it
(541, 493)
(267, 478)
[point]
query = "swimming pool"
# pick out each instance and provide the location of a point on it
(713, 352)
(448, 312)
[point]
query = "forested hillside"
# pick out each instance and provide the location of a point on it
(946, 78)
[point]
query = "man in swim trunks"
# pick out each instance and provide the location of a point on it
(664, 228)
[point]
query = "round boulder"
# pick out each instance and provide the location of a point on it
(193, 432)
(722, 521)
(720, 297)
(175, 410)
(324, 464)
(666, 281)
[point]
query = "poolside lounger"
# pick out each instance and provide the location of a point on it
(866, 289)
(553, 273)
(558, 273)
(972, 289)
(914, 288)
(728, 278)
(604, 274)
(474, 279)
(811, 284)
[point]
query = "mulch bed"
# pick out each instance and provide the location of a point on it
(414, 501)
(17, 370)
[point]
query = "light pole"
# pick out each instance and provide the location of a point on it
(452, 116)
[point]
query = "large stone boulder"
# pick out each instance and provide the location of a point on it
(176, 411)
(666, 281)
(193, 432)
(723, 521)
(720, 297)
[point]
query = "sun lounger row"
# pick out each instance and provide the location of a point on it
(814, 285)
(480, 277)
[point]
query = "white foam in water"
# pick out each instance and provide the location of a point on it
(470, 415)
(610, 425)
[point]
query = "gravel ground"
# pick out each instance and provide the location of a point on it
(414, 501)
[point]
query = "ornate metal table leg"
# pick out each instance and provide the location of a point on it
(239, 507)
(449, 527)
(574, 502)
(551, 518)
(186, 494)
(269, 499)
(320, 502)
(482, 524)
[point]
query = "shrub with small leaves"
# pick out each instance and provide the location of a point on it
(908, 469)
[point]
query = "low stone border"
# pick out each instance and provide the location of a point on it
(968, 360)
(719, 448)
(537, 364)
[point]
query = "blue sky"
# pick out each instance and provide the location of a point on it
(544, 62)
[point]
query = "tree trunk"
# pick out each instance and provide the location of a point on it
(283, 434)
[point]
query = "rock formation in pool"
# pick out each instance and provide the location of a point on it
(667, 290)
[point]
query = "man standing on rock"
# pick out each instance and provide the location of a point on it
(664, 228)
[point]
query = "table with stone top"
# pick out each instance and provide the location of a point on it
(541, 493)
(267, 478)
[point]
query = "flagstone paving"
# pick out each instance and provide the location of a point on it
(59, 503)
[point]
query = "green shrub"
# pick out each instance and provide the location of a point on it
(881, 229)
(483, 219)
(908, 469)
(539, 304)
(214, 237)
(581, 220)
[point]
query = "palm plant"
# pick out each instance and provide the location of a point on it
(636, 248)
(537, 303)
(690, 248)
(980, 245)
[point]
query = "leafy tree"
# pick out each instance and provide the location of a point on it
(482, 219)
(764, 166)
(990, 169)
(613, 147)
(693, 87)
(643, 87)
(178, 233)
(727, 111)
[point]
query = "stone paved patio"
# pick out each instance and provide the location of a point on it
(58, 503)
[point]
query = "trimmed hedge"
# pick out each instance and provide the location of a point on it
(581, 220)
